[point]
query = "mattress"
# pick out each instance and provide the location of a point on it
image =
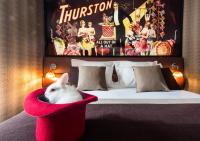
(129, 96)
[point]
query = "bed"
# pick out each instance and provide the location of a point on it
(152, 116)
(124, 115)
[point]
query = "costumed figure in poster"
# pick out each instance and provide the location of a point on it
(152, 33)
(129, 44)
(136, 25)
(130, 36)
(119, 16)
(72, 47)
(59, 45)
(91, 33)
(142, 47)
(86, 45)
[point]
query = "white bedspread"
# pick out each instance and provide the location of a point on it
(129, 96)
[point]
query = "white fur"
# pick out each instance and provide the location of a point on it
(60, 93)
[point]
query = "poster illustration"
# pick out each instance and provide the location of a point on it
(113, 27)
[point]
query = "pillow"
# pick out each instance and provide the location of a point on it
(169, 79)
(138, 63)
(149, 78)
(108, 73)
(91, 78)
(125, 72)
(77, 63)
(73, 76)
(74, 73)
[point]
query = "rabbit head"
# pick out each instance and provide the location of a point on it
(59, 92)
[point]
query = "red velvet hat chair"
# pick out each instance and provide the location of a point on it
(57, 122)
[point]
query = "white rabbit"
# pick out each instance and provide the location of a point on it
(59, 92)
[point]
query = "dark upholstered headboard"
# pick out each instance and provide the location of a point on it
(64, 63)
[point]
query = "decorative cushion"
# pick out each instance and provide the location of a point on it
(108, 64)
(91, 78)
(149, 78)
(125, 73)
(73, 76)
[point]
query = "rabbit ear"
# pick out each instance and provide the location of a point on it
(63, 80)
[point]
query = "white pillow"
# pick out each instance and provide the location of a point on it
(108, 73)
(125, 72)
(131, 63)
(77, 63)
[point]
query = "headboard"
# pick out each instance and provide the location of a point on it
(64, 63)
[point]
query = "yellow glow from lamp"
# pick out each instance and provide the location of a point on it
(51, 75)
(178, 75)
(179, 78)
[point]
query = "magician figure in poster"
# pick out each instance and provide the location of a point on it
(119, 15)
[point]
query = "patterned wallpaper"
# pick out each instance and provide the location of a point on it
(191, 42)
(21, 52)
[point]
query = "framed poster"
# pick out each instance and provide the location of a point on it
(113, 27)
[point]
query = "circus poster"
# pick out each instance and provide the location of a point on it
(113, 27)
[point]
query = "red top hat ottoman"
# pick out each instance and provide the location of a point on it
(57, 122)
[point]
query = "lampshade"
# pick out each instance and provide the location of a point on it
(179, 78)
(50, 75)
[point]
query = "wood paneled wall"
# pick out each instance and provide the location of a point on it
(21, 52)
(191, 44)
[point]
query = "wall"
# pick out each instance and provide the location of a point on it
(191, 44)
(21, 52)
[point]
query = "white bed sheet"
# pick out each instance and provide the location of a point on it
(129, 96)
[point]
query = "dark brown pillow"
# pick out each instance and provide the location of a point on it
(91, 78)
(73, 76)
(149, 78)
(169, 79)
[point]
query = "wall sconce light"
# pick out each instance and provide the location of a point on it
(178, 75)
(51, 73)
